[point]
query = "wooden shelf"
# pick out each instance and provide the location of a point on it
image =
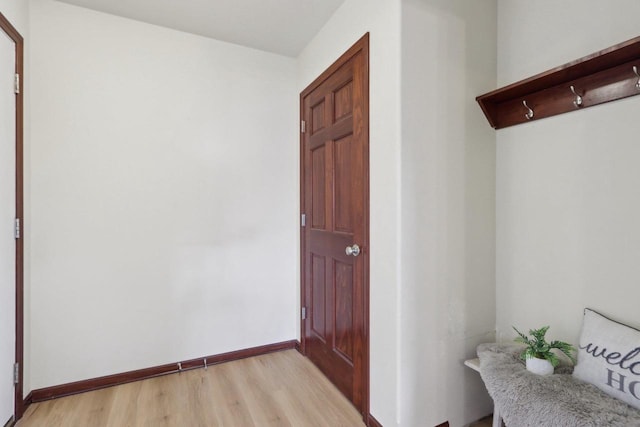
(601, 77)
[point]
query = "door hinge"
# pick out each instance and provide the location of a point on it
(303, 313)
(16, 373)
(303, 220)
(16, 232)
(17, 84)
(303, 126)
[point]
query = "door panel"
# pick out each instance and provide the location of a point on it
(319, 297)
(335, 167)
(343, 104)
(341, 166)
(317, 117)
(7, 216)
(343, 320)
(318, 172)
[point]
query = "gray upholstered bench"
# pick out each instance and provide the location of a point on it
(525, 399)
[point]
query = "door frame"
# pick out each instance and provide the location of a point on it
(361, 46)
(14, 35)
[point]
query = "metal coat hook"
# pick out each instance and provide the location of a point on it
(528, 114)
(578, 101)
(635, 70)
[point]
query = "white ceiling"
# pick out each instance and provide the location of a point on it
(279, 26)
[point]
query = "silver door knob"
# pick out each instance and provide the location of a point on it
(353, 250)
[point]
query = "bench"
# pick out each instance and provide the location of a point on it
(522, 398)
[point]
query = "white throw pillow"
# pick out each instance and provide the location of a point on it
(609, 357)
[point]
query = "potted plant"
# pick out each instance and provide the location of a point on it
(538, 355)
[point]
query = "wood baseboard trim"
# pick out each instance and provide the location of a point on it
(372, 422)
(28, 399)
(155, 371)
(26, 402)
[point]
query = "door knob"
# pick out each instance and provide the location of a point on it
(353, 250)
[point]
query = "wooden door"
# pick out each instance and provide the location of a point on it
(335, 206)
(10, 210)
(7, 206)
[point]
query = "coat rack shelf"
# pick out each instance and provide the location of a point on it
(604, 76)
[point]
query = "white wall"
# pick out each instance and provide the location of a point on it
(17, 12)
(350, 22)
(447, 290)
(164, 206)
(567, 187)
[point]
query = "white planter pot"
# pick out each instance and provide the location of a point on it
(539, 366)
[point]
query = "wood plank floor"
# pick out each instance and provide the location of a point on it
(277, 389)
(485, 422)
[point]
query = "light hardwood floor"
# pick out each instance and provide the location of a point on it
(277, 389)
(485, 422)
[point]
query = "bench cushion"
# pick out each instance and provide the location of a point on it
(525, 399)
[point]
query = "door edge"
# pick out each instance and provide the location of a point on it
(14, 35)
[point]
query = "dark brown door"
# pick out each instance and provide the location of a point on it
(335, 205)
(11, 226)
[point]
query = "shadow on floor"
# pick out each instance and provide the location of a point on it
(484, 422)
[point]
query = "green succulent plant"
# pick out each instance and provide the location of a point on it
(539, 348)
